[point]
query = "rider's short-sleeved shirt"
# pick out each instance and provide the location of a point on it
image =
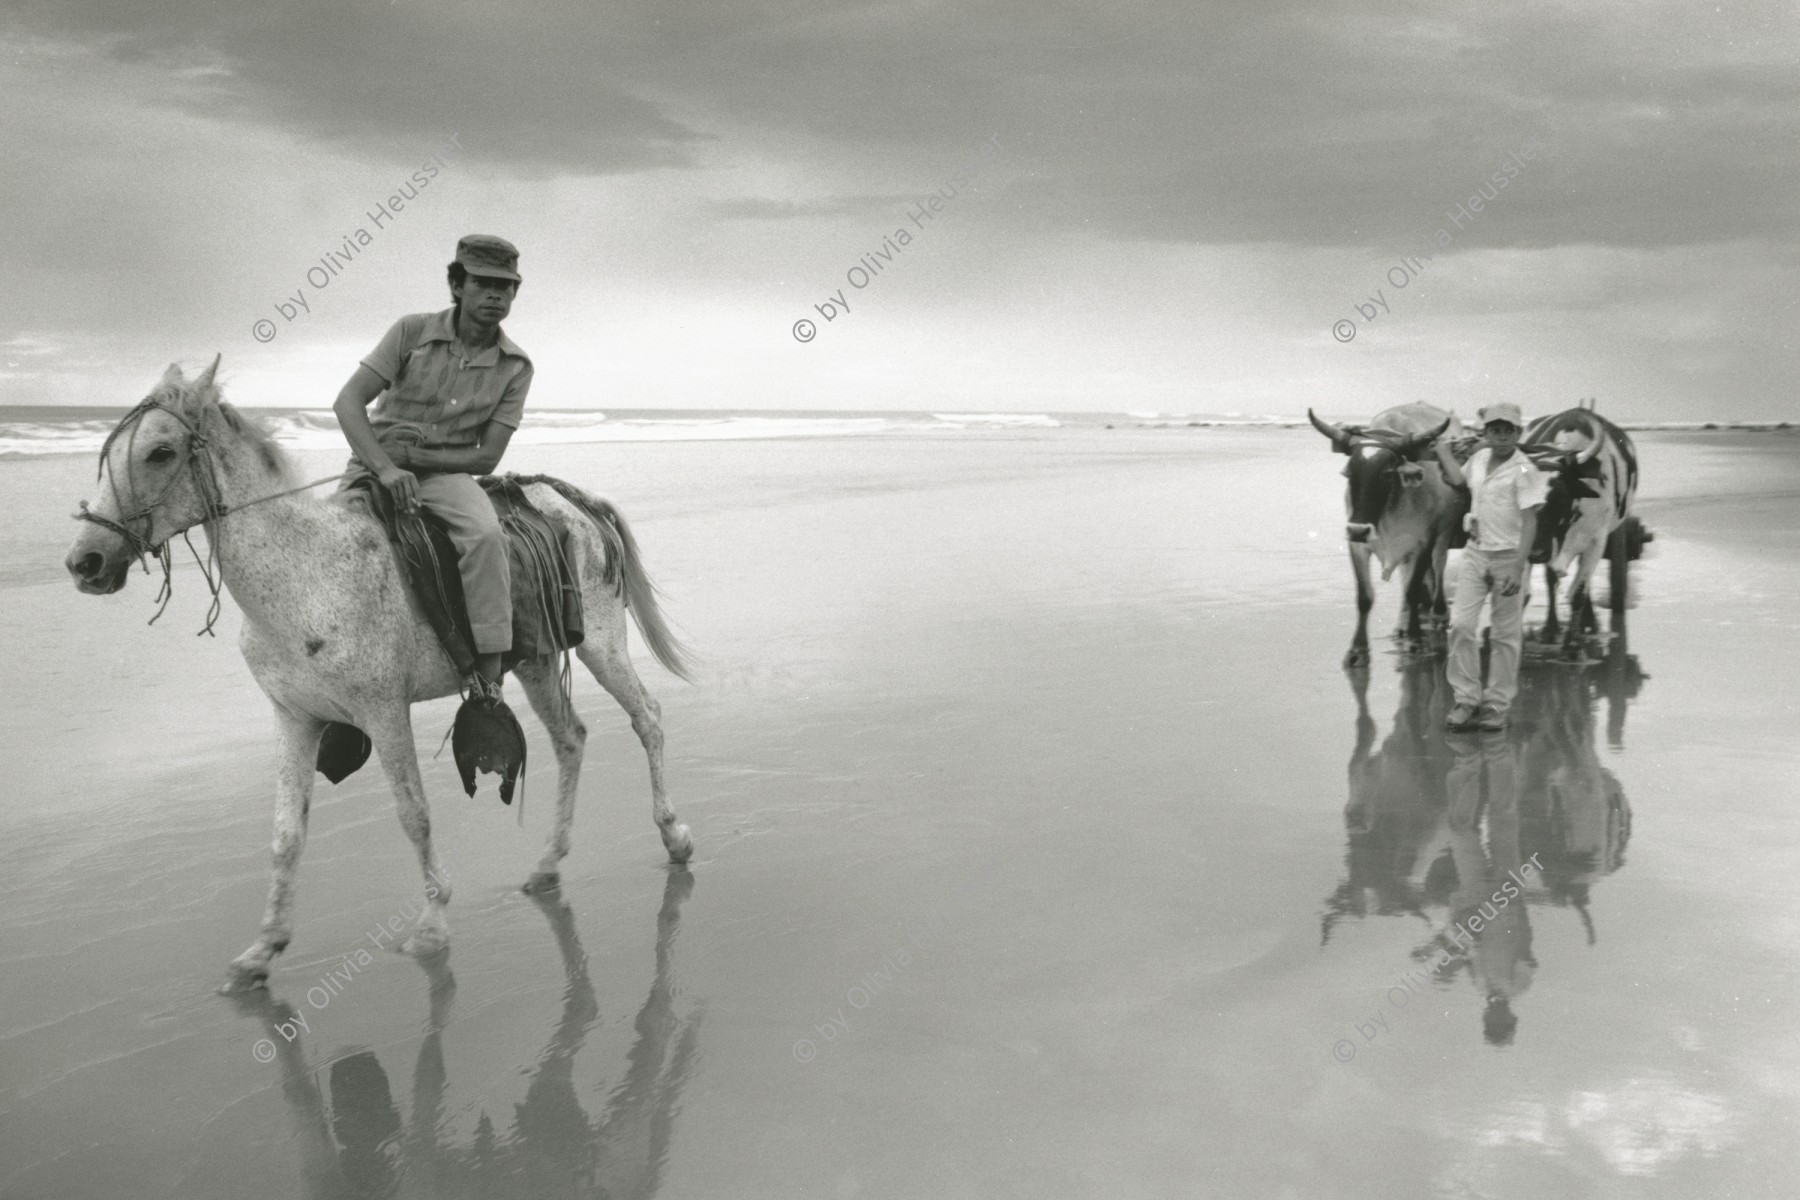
(1499, 496)
(435, 391)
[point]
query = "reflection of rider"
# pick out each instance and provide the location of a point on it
(355, 1145)
(1488, 920)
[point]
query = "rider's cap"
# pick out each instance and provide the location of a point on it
(1503, 411)
(485, 254)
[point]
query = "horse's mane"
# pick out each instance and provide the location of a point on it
(257, 435)
(203, 402)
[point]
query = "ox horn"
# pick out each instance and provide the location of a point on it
(1414, 444)
(1340, 437)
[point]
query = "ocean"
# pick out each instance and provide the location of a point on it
(27, 432)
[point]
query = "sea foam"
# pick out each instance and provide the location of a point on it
(317, 429)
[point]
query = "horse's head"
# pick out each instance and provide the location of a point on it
(1380, 459)
(154, 483)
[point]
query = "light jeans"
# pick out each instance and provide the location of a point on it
(480, 543)
(482, 556)
(1475, 583)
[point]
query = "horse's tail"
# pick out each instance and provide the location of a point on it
(625, 571)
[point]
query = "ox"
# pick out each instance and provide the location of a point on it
(1593, 473)
(1400, 509)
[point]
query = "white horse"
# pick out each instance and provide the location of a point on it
(331, 631)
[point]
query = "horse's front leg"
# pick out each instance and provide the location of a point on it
(392, 735)
(293, 801)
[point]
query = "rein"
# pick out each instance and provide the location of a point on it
(205, 473)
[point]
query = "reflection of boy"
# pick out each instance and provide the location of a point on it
(1490, 923)
(1506, 491)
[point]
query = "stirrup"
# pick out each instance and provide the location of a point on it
(487, 736)
(478, 689)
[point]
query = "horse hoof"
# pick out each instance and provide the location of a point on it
(542, 881)
(244, 977)
(425, 942)
(680, 842)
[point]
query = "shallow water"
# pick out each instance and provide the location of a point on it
(1044, 849)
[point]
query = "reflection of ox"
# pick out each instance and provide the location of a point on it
(1593, 473)
(1394, 819)
(1576, 815)
(1401, 510)
(1415, 842)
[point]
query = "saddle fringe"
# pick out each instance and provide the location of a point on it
(624, 573)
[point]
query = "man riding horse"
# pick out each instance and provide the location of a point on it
(328, 628)
(451, 388)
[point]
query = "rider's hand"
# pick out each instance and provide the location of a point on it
(402, 485)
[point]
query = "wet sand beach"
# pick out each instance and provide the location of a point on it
(1044, 849)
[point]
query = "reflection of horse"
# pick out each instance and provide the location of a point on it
(330, 631)
(1443, 822)
(355, 1144)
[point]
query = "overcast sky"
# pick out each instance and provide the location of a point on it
(1167, 207)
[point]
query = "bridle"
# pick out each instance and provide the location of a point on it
(203, 469)
(206, 482)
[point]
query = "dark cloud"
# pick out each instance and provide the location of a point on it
(541, 94)
(1237, 123)
(1167, 192)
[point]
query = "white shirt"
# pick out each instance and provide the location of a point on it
(1499, 498)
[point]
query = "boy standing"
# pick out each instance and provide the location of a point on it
(1506, 491)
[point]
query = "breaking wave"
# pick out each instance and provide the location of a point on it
(317, 429)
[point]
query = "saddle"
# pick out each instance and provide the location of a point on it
(546, 604)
